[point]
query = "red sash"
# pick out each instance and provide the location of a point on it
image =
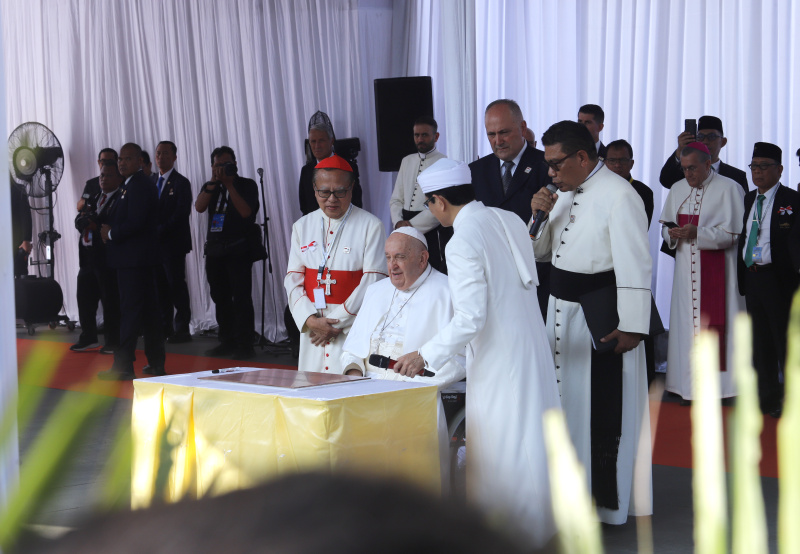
(346, 283)
(712, 290)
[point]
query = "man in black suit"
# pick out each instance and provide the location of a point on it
(89, 223)
(88, 289)
(232, 204)
(175, 241)
(510, 176)
(321, 139)
(131, 237)
(593, 116)
(620, 161)
(21, 228)
(709, 132)
(768, 265)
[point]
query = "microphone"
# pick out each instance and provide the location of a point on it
(541, 215)
(260, 171)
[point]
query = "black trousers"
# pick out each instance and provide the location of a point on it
(88, 295)
(139, 309)
(230, 279)
(173, 295)
(108, 288)
(768, 305)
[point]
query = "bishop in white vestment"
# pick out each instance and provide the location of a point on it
(336, 253)
(596, 238)
(510, 375)
(708, 209)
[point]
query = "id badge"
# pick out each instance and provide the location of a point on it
(319, 298)
(217, 222)
(756, 254)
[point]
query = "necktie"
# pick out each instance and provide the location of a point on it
(753, 238)
(160, 184)
(507, 175)
(102, 200)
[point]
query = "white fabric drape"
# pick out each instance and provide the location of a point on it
(249, 73)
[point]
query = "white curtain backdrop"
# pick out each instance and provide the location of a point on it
(249, 73)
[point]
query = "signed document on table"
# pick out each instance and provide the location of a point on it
(284, 378)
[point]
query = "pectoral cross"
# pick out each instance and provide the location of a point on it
(327, 282)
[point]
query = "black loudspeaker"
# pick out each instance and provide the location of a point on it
(398, 103)
(37, 300)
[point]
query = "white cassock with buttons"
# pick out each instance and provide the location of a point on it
(599, 227)
(354, 261)
(717, 209)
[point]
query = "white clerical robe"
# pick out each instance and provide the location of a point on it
(510, 376)
(391, 323)
(355, 247)
(408, 196)
(603, 227)
(719, 203)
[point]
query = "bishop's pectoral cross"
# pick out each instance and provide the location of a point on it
(327, 282)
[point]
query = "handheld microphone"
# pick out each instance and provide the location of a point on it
(541, 215)
(260, 171)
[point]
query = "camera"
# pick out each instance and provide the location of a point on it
(87, 214)
(229, 169)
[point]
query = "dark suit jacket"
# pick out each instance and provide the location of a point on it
(602, 152)
(97, 253)
(133, 227)
(21, 221)
(308, 199)
(174, 207)
(529, 177)
(647, 197)
(671, 173)
(784, 240)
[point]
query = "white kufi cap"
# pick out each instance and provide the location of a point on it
(443, 174)
(412, 232)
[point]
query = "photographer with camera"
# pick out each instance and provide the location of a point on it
(88, 293)
(232, 242)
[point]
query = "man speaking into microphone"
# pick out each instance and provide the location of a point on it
(232, 204)
(596, 237)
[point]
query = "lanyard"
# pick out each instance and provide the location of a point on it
(325, 251)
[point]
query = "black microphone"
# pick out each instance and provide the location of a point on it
(260, 171)
(541, 215)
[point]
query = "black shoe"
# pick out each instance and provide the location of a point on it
(179, 338)
(84, 346)
(153, 370)
(114, 375)
(223, 349)
(685, 402)
(108, 349)
(244, 353)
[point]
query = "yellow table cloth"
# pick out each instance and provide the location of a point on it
(194, 437)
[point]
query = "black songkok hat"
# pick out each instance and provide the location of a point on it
(767, 150)
(710, 122)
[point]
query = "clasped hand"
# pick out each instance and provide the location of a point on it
(321, 329)
(688, 231)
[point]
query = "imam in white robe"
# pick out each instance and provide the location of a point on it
(358, 254)
(603, 228)
(510, 376)
(720, 206)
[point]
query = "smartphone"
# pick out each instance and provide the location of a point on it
(690, 126)
(668, 224)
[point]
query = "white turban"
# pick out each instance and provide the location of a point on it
(412, 232)
(443, 174)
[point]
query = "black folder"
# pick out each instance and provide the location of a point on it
(600, 311)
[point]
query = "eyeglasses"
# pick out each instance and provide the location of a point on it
(617, 161)
(761, 167)
(709, 137)
(430, 200)
(324, 194)
(556, 165)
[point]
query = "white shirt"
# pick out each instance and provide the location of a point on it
(763, 226)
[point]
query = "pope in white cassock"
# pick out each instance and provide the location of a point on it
(400, 314)
(336, 253)
(708, 210)
(510, 375)
(596, 237)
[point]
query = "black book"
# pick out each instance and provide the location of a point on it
(600, 311)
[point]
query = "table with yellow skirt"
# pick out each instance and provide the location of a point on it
(194, 437)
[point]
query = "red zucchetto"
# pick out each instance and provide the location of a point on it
(334, 162)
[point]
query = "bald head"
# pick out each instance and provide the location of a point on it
(406, 260)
